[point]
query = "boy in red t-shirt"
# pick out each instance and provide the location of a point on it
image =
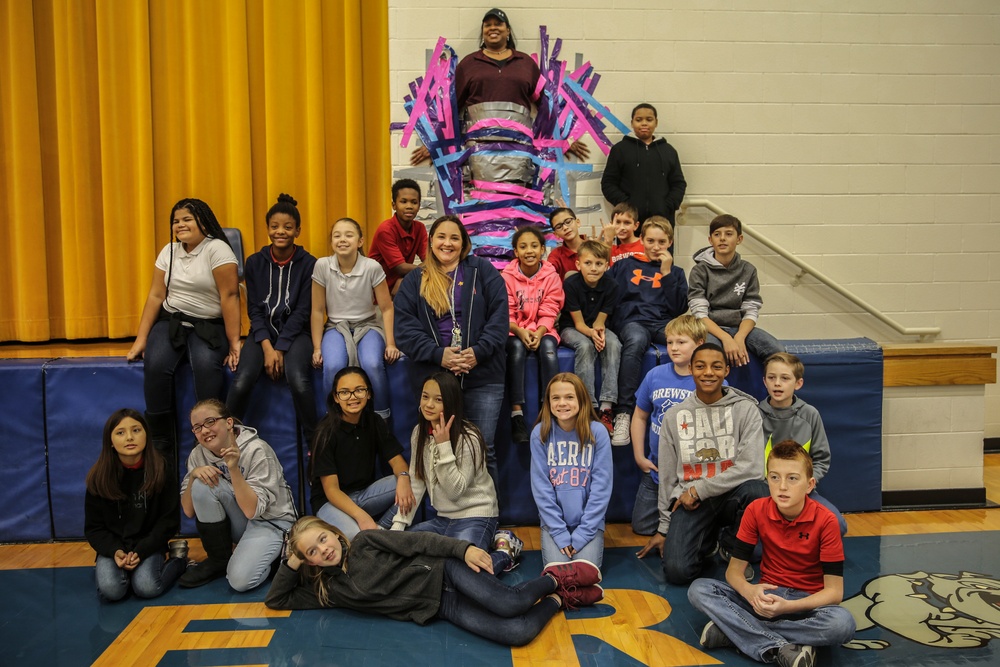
(796, 605)
(401, 238)
(623, 232)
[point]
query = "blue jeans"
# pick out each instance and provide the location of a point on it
(692, 533)
(646, 511)
(482, 408)
(517, 353)
(153, 577)
(477, 529)
(635, 339)
(258, 542)
(754, 635)
(592, 551)
(377, 499)
(298, 372)
(485, 606)
(759, 343)
(371, 357)
(585, 361)
(162, 360)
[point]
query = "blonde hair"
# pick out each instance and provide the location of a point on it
(435, 284)
(311, 571)
(687, 325)
(798, 368)
(659, 222)
(583, 418)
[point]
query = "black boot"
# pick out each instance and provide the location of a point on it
(162, 435)
(218, 543)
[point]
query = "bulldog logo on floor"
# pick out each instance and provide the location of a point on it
(933, 609)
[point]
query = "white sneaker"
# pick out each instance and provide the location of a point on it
(621, 436)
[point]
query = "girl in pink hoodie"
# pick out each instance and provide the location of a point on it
(535, 298)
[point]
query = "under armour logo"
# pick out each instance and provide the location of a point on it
(803, 536)
(739, 288)
(638, 277)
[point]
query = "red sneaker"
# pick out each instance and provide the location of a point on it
(581, 597)
(608, 419)
(574, 574)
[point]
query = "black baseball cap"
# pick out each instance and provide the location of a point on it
(497, 13)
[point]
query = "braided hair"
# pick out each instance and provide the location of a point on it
(207, 223)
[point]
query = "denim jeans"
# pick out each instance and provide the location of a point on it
(759, 343)
(592, 551)
(162, 360)
(258, 542)
(646, 511)
(841, 521)
(485, 606)
(298, 372)
(635, 339)
(830, 625)
(482, 408)
(584, 363)
(377, 499)
(692, 533)
(517, 353)
(371, 357)
(476, 529)
(153, 577)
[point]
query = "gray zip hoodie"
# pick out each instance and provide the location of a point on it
(713, 448)
(260, 468)
(725, 294)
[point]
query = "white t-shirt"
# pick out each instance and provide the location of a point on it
(349, 297)
(192, 289)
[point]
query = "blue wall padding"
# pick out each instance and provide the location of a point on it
(80, 394)
(24, 493)
(843, 380)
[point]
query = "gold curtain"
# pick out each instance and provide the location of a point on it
(112, 110)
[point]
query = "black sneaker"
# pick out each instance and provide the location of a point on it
(713, 637)
(796, 655)
(519, 430)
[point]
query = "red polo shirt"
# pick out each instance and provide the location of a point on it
(794, 551)
(392, 245)
(563, 258)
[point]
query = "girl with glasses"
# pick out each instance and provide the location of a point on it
(347, 490)
(235, 489)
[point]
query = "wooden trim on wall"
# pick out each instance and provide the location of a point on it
(938, 364)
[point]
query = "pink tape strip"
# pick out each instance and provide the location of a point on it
(482, 216)
(420, 100)
(510, 188)
(500, 122)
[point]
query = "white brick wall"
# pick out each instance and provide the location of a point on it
(863, 135)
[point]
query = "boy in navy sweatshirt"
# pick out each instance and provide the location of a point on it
(653, 292)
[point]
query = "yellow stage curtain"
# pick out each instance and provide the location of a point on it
(112, 110)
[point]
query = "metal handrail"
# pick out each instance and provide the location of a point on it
(923, 332)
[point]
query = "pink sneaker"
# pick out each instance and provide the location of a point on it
(574, 574)
(581, 597)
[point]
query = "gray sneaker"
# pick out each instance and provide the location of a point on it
(178, 549)
(620, 437)
(713, 637)
(796, 655)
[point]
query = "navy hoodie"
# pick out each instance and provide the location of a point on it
(279, 298)
(647, 296)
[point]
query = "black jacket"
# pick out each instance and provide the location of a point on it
(649, 177)
(139, 523)
(393, 573)
(279, 298)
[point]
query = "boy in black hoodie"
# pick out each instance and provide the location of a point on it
(644, 170)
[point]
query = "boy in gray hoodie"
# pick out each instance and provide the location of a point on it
(723, 292)
(711, 468)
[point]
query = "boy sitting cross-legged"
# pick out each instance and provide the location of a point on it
(795, 607)
(724, 293)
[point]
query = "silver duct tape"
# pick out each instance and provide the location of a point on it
(499, 168)
(502, 110)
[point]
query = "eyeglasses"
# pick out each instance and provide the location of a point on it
(564, 224)
(348, 394)
(208, 423)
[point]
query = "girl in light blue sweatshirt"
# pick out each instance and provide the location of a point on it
(571, 473)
